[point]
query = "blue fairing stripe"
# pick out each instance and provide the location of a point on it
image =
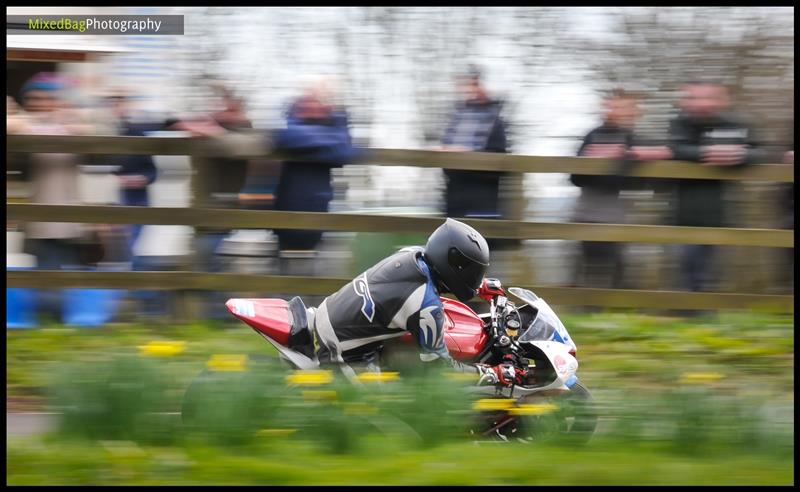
(431, 335)
(431, 298)
(571, 381)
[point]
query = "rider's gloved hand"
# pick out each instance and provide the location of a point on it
(505, 374)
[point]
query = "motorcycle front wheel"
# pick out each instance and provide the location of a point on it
(570, 417)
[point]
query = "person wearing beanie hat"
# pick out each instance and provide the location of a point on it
(43, 81)
(54, 180)
(40, 93)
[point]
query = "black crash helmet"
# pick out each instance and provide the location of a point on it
(458, 256)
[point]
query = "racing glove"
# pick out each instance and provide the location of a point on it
(505, 374)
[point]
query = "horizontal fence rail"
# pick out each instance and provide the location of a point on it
(323, 286)
(505, 229)
(257, 145)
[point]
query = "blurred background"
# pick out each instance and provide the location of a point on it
(539, 81)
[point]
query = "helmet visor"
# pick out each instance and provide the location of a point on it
(468, 270)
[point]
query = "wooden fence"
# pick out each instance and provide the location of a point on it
(199, 215)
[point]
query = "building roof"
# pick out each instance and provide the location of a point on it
(41, 44)
(55, 42)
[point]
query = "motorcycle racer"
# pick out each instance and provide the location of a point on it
(401, 294)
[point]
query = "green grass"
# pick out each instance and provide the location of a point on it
(382, 461)
(33, 357)
(700, 401)
(750, 350)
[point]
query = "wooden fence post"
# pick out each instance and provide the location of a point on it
(191, 303)
(515, 205)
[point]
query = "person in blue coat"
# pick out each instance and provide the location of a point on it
(316, 132)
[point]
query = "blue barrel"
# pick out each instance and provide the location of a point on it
(90, 307)
(20, 307)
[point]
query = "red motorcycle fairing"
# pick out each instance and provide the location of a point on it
(463, 331)
(267, 316)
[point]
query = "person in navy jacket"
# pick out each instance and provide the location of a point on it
(135, 172)
(475, 126)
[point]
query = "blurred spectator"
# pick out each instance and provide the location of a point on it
(136, 172)
(17, 165)
(788, 195)
(318, 131)
(225, 176)
(704, 132)
(229, 175)
(225, 179)
(54, 177)
(601, 264)
(476, 126)
(787, 208)
(251, 181)
(15, 118)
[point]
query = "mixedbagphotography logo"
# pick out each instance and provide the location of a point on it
(94, 24)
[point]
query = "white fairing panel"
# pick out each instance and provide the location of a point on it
(564, 363)
(566, 367)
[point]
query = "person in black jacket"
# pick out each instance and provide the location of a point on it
(705, 133)
(787, 222)
(787, 200)
(601, 264)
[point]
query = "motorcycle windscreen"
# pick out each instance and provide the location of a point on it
(546, 326)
